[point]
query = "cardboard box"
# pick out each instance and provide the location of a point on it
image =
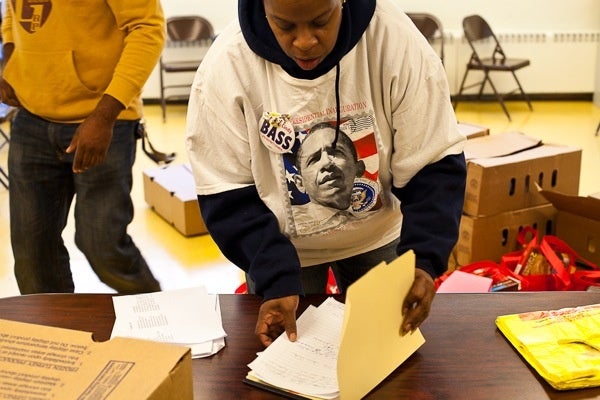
(472, 131)
(578, 222)
(489, 237)
(170, 191)
(41, 362)
(502, 171)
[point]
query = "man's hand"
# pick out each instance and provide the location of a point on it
(7, 94)
(276, 316)
(92, 138)
(418, 301)
(90, 144)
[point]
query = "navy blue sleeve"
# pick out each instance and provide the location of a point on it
(248, 234)
(431, 205)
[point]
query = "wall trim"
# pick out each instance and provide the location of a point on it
(532, 97)
(465, 97)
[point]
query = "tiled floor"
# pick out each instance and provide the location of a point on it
(178, 261)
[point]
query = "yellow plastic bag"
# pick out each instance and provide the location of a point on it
(563, 346)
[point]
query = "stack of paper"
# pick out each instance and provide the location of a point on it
(307, 366)
(336, 341)
(562, 345)
(190, 317)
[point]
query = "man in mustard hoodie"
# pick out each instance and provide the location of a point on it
(76, 71)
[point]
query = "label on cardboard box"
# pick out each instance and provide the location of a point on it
(40, 362)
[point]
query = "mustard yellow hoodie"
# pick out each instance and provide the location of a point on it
(68, 53)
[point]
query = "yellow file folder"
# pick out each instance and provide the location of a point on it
(372, 346)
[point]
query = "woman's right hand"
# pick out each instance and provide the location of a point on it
(276, 316)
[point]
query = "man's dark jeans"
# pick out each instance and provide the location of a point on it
(42, 188)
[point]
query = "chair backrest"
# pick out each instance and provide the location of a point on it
(189, 28)
(481, 38)
(431, 27)
(476, 28)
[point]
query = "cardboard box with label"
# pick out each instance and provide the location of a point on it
(578, 222)
(170, 191)
(502, 171)
(41, 362)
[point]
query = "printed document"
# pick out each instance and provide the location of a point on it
(189, 317)
(344, 350)
(307, 366)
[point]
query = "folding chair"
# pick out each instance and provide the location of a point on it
(431, 27)
(191, 33)
(482, 40)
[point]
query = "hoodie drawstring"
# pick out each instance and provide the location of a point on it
(337, 105)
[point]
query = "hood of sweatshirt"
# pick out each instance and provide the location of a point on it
(356, 15)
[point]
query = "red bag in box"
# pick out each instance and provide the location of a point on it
(549, 264)
(583, 280)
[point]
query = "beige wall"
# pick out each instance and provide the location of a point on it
(558, 65)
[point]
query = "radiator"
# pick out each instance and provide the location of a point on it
(561, 62)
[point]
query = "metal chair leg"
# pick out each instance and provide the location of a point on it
(485, 79)
(525, 95)
(462, 85)
(3, 178)
(163, 102)
(4, 137)
(598, 129)
(500, 99)
(3, 175)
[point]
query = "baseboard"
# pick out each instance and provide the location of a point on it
(464, 97)
(532, 97)
(181, 100)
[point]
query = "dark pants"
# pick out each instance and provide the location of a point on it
(42, 188)
(346, 271)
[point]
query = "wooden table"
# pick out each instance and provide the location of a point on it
(464, 357)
